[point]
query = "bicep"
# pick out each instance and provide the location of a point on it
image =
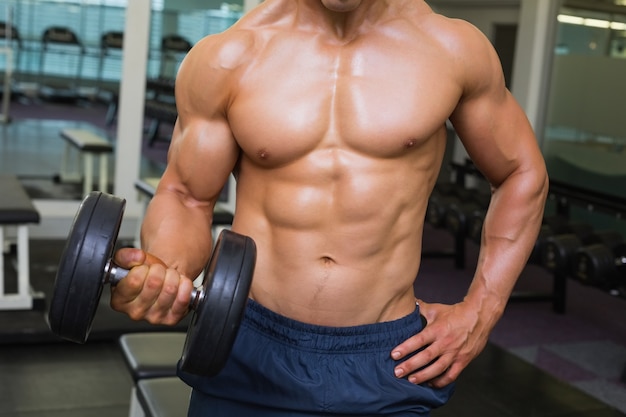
(202, 155)
(497, 136)
(490, 123)
(203, 151)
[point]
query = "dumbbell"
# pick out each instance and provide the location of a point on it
(444, 198)
(599, 263)
(475, 223)
(535, 255)
(558, 249)
(475, 226)
(465, 218)
(553, 226)
(440, 199)
(86, 265)
(436, 210)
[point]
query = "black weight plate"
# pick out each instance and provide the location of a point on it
(216, 319)
(558, 250)
(594, 265)
(475, 226)
(79, 281)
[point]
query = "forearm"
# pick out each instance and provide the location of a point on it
(178, 231)
(509, 233)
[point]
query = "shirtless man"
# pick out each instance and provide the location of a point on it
(331, 114)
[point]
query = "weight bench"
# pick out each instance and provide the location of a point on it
(89, 145)
(151, 358)
(161, 397)
(152, 354)
(16, 210)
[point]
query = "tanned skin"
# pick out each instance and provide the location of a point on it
(332, 116)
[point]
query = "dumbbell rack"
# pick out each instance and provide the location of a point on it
(566, 195)
(457, 252)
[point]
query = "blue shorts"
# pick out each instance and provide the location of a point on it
(282, 367)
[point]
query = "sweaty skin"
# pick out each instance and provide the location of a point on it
(332, 116)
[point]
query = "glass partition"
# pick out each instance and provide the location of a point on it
(90, 20)
(584, 141)
(30, 143)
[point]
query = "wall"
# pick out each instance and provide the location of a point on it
(186, 5)
(591, 99)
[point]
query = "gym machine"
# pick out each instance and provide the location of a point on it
(61, 41)
(173, 49)
(161, 103)
(111, 44)
(10, 36)
(450, 206)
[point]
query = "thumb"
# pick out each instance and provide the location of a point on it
(131, 257)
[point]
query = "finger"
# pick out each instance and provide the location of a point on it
(165, 306)
(446, 378)
(152, 287)
(153, 260)
(131, 286)
(417, 362)
(183, 298)
(131, 257)
(413, 344)
(430, 372)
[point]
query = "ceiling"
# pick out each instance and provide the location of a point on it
(607, 6)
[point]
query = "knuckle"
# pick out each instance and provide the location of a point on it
(135, 315)
(155, 316)
(170, 320)
(428, 355)
(135, 278)
(169, 290)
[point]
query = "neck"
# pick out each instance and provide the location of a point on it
(344, 19)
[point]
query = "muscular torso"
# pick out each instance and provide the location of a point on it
(341, 145)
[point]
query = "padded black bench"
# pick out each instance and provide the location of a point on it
(152, 354)
(89, 145)
(161, 397)
(16, 210)
(151, 358)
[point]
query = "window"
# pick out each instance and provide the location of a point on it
(89, 20)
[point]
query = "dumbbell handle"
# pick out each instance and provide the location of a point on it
(114, 273)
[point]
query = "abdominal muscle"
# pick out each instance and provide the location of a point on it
(335, 250)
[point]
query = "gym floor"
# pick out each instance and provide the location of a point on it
(538, 363)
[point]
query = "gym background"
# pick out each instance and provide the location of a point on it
(87, 103)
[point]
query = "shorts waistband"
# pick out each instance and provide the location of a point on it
(350, 339)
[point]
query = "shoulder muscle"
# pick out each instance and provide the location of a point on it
(475, 62)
